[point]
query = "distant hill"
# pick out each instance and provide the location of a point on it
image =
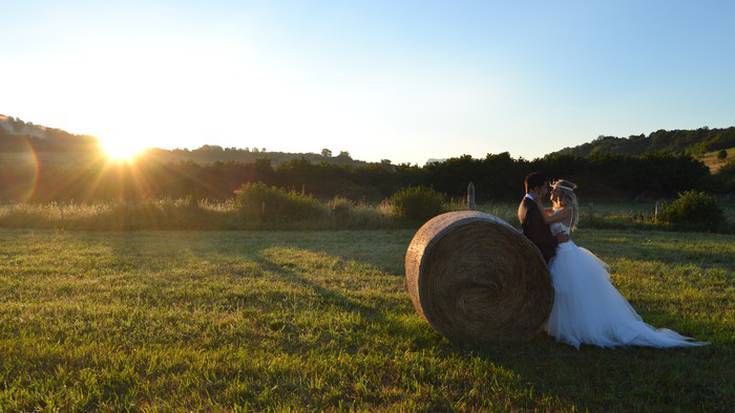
(693, 142)
(50, 145)
(18, 136)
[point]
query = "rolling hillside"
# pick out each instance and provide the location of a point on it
(17, 136)
(696, 142)
(714, 162)
(58, 146)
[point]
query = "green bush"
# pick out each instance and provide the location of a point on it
(722, 154)
(725, 178)
(341, 210)
(260, 202)
(417, 203)
(694, 210)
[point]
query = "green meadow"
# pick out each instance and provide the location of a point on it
(320, 321)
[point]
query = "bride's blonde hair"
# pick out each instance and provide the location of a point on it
(565, 192)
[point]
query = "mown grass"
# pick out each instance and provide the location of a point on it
(314, 321)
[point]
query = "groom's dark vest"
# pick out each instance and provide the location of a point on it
(536, 229)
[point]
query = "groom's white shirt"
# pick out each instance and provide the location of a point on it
(529, 196)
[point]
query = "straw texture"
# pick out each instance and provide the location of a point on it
(475, 278)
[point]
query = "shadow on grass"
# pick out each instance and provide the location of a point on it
(630, 379)
(705, 250)
(331, 297)
(384, 250)
(418, 336)
(381, 249)
(706, 259)
(623, 379)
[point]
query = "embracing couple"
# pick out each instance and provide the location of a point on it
(587, 307)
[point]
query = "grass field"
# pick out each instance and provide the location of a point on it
(279, 321)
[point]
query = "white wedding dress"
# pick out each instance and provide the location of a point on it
(589, 309)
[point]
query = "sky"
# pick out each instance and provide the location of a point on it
(399, 80)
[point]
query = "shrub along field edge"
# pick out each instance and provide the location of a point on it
(257, 206)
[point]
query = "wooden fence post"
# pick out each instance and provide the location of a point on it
(471, 196)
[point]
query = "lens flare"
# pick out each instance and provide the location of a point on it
(23, 171)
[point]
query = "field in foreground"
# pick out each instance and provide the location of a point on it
(214, 321)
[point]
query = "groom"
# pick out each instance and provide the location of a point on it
(530, 213)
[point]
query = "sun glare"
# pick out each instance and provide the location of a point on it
(120, 149)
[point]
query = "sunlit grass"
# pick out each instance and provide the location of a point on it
(313, 321)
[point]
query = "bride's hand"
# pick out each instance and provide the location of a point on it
(559, 215)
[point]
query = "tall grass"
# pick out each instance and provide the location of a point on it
(187, 214)
(338, 213)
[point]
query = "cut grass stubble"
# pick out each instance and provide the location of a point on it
(179, 321)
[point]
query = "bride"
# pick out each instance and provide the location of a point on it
(587, 307)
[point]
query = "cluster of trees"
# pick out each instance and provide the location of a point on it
(53, 165)
(602, 177)
(693, 142)
(214, 153)
(497, 177)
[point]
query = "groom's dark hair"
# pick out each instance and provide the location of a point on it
(534, 180)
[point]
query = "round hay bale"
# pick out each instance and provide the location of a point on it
(475, 278)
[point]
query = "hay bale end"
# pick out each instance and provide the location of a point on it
(475, 278)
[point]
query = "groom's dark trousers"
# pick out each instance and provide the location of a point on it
(536, 229)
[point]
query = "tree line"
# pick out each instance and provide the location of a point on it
(497, 177)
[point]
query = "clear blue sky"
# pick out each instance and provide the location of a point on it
(404, 80)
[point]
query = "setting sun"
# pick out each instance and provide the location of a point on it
(121, 149)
